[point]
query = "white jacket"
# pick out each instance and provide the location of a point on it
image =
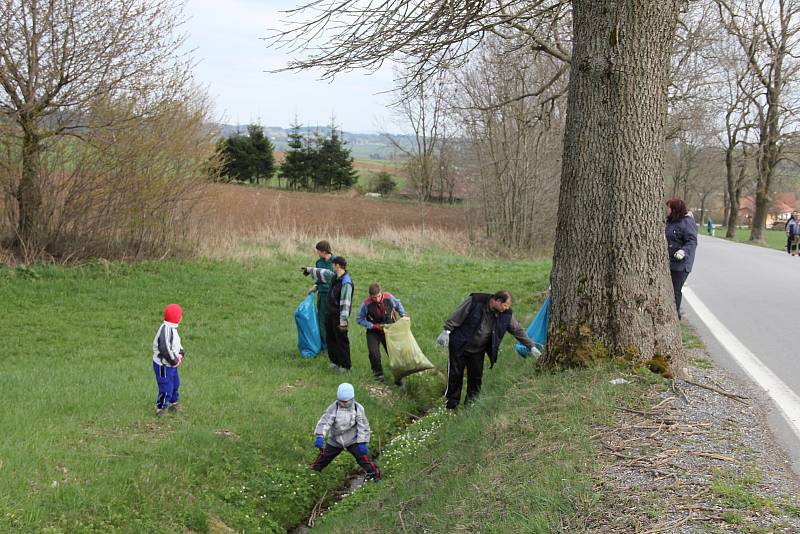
(167, 348)
(347, 425)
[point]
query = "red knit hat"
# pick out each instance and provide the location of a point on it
(173, 313)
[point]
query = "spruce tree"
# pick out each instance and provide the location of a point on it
(295, 165)
(318, 168)
(338, 162)
(236, 150)
(262, 160)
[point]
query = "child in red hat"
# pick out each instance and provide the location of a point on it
(167, 356)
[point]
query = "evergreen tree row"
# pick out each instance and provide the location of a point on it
(313, 162)
(317, 162)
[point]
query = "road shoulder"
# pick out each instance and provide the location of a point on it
(697, 457)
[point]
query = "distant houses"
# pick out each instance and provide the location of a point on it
(779, 211)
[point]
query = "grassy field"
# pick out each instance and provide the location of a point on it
(773, 238)
(81, 449)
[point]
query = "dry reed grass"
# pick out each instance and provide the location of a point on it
(245, 222)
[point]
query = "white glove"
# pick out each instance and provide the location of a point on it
(679, 254)
(444, 338)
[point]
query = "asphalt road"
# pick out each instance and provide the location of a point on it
(755, 293)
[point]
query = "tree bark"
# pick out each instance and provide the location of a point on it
(769, 153)
(734, 192)
(29, 196)
(733, 213)
(611, 290)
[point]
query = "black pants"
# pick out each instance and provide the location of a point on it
(338, 342)
(472, 361)
(330, 452)
(678, 279)
(376, 338)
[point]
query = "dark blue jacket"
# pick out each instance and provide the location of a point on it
(467, 329)
(681, 234)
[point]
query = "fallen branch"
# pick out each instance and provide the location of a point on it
(734, 396)
(646, 414)
(669, 399)
(668, 527)
(315, 512)
(677, 389)
(715, 456)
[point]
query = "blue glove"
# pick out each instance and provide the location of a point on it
(362, 449)
(318, 442)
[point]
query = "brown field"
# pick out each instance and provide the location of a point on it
(232, 217)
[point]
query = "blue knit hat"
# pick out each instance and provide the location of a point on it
(345, 392)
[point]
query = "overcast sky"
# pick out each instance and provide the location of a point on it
(233, 60)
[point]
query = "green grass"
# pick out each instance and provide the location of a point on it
(81, 449)
(519, 460)
(773, 238)
(734, 490)
(689, 337)
(367, 177)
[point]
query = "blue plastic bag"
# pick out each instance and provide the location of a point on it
(537, 331)
(305, 316)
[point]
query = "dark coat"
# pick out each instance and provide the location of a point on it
(681, 234)
(464, 333)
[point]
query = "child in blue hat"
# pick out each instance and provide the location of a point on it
(347, 427)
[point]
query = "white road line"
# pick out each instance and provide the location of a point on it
(786, 399)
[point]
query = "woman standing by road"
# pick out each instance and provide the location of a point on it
(681, 233)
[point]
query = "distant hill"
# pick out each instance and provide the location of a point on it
(362, 145)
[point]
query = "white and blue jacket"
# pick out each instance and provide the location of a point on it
(167, 348)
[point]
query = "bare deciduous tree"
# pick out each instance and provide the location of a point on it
(515, 140)
(768, 33)
(738, 92)
(60, 60)
(421, 108)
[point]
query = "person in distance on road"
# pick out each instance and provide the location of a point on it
(792, 234)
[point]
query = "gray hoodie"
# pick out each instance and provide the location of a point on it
(347, 425)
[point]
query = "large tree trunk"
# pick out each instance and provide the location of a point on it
(611, 289)
(733, 213)
(759, 221)
(29, 198)
(733, 194)
(767, 161)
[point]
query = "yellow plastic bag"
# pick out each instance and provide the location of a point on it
(405, 356)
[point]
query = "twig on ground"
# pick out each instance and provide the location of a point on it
(668, 527)
(646, 414)
(402, 523)
(680, 391)
(715, 456)
(734, 396)
(668, 399)
(315, 512)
